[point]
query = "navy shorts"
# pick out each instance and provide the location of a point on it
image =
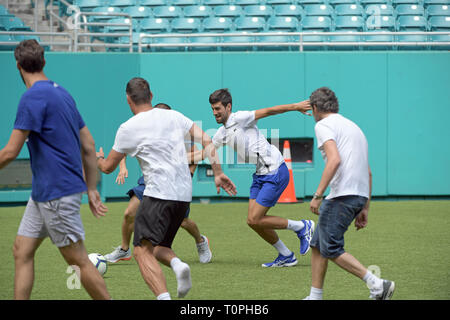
(335, 216)
(267, 189)
(138, 191)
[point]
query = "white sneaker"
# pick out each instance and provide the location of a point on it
(383, 293)
(184, 282)
(118, 254)
(204, 252)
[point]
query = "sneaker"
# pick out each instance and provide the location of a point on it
(118, 254)
(385, 293)
(282, 261)
(204, 252)
(305, 236)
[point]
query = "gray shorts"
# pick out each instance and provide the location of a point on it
(59, 219)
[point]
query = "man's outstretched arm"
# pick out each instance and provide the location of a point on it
(302, 107)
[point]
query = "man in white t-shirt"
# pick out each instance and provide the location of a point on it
(345, 151)
(239, 131)
(156, 138)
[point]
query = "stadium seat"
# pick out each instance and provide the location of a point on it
(277, 2)
(398, 2)
(12, 23)
(287, 24)
(167, 12)
(155, 25)
(183, 3)
(122, 28)
(122, 3)
(258, 11)
(247, 2)
(380, 24)
(89, 5)
(438, 10)
(228, 11)
(366, 3)
(288, 10)
(310, 2)
(440, 23)
(140, 12)
(184, 25)
(216, 2)
(250, 24)
(431, 2)
(197, 11)
(170, 40)
(244, 39)
(152, 3)
(217, 24)
(348, 24)
(3, 11)
(335, 3)
(349, 10)
(315, 25)
(410, 10)
(318, 10)
(412, 23)
(203, 40)
(106, 10)
(380, 10)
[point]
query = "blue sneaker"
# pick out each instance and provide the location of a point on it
(305, 236)
(281, 261)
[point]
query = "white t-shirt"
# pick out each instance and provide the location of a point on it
(157, 139)
(352, 176)
(241, 133)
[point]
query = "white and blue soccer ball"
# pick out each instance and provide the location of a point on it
(99, 262)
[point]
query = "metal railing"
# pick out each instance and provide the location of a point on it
(301, 43)
(68, 44)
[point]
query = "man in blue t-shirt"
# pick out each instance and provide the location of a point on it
(60, 147)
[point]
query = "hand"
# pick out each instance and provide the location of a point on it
(222, 181)
(123, 173)
(303, 107)
(314, 205)
(98, 209)
(100, 153)
(362, 219)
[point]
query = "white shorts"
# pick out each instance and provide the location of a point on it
(59, 219)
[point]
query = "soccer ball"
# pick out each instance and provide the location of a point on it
(99, 262)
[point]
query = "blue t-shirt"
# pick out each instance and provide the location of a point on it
(50, 113)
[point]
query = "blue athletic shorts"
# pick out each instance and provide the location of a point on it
(138, 191)
(267, 189)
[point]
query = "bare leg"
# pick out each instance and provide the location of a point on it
(76, 254)
(191, 227)
(164, 255)
(24, 250)
(150, 269)
(349, 263)
(128, 222)
(319, 267)
(262, 224)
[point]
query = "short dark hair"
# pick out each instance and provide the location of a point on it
(163, 106)
(30, 56)
(324, 100)
(221, 95)
(138, 90)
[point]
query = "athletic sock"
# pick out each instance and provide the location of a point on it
(281, 248)
(183, 275)
(315, 294)
(372, 281)
(295, 225)
(164, 296)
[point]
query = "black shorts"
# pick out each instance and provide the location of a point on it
(158, 221)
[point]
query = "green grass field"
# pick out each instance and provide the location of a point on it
(408, 240)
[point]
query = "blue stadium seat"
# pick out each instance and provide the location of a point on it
(170, 40)
(310, 2)
(288, 10)
(122, 3)
(106, 10)
(184, 25)
(13, 23)
(438, 10)
(197, 11)
(335, 3)
(152, 3)
(276, 2)
(183, 3)
(366, 3)
(440, 23)
(398, 2)
(349, 10)
(217, 24)
(412, 23)
(89, 5)
(316, 25)
(258, 11)
(121, 28)
(246, 2)
(380, 10)
(286, 24)
(228, 11)
(410, 10)
(431, 2)
(318, 10)
(239, 39)
(167, 12)
(348, 24)
(138, 12)
(204, 39)
(251, 24)
(216, 2)
(155, 25)
(380, 24)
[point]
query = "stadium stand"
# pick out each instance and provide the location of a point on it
(257, 16)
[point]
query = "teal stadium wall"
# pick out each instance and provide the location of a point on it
(401, 100)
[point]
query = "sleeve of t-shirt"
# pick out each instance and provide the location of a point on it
(184, 122)
(244, 118)
(30, 113)
(218, 138)
(124, 142)
(323, 134)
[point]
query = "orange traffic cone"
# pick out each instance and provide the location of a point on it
(288, 195)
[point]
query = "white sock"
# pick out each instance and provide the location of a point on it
(295, 225)
(163, 296)
(315, 294)
(183, 275)
(281, 248)
(372, 281)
